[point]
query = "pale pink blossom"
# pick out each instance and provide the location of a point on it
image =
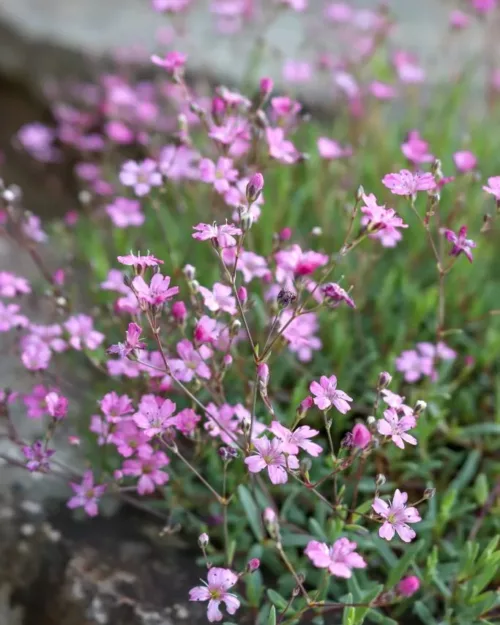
(459, 20)
(186, 421)
(281, 148)
(12, 285)
(297, 71)
(57, 405)
(220, 174)
(361, 436)
(191, 362)
(223, 236)
(87, 494)
(35, 353)
(395, 427)
(300, 334)
(493, 187)
(154, 416)
(146, 260)
(416, 149)
(141, 176)
(339, 559)
(219, 298)
(299, 438)
(327, 395)
(148, 468)
(464, 161)
(172, 61)
(331, 150)
(216, 592)
(397, 516)
(270, 454)
(407, 183)
(125, 212)
(82, 333)
(222, 422)
(10, 317)
(157, 292)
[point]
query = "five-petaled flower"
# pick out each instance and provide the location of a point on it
(407, 183)
(270, 454)
(461, 244)
(395, 427)
(158, 291)
(87, 494)
(223, 236)
(397, 516)
(339, 559)
(327, 395)
(215, 591)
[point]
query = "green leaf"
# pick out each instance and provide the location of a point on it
(251, 511)
(316, 529)
(349, 613)
(468, 470)
(367, 597)
(481, 489)
(272, 616)
(480, 429)
(424, 613)
(403, 565)
(276, 599)
(255, 588)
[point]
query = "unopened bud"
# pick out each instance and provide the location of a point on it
(384, 379)
(285, 298)
(371, 421)
(420, 406)
(189, 271)
(408, 586)
(228, 453)
(254, 187)
(235, 326)
(266, 87)
(285, 234)
(305, 465)
(429, 493)
(359, 193)
(203, 540)
(380, 480)
(317, 231)
(361, 436)
(179, 311)
(242, 294)
(253, 565)
(246, 219)
(263, 373)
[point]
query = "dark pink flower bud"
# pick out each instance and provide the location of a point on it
(307, 403)
(253, 565)
(285, 234)
(242, 294)
(218, 107)
(59, 277)
(384, 379)
(266, 87)
(263, 372)
(361, 436)
(408, 586)
(179, 311)
(228, 360)
(254, 187)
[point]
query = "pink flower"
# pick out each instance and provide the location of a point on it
(483, 6)
(38, 457)
(115, 406)
(222, 422)
(254, 187)
(252, 266)
(406, 183)
(296, 5)
(130, 440)
(223, 236)
(494, 187)
(10, 317)
(327, 395)
(294, 262)
(57, 405)
(219, 299)
(339, 12)
(397, 516)
(139, 261)
(82, 333)
(37, 139)
(216, 591)
(280, 148)
(124, 212)
(459, 19)
(87, 494)
(12, 285)
(297, 71)
(35, 402)
(391, 425)
(408, 586)
(205, 330)
(35, 354)
(178, 162)
(361, 436)
(269, 454)
(141, 176)
(158, 291)
(382, 90)
(186, 421)
(191, 362)
(414, 365)
(331, 150)
(114, 282)
(51, 335)
(284, 110)
(464, 161)
(232, 129)
(408, 69)
(148, 469)
(299, 438)
(32, 229)
(335, 294)
(461, 245)
(416, 149)
(132, 342)
(219, 174)
(300, 334)
(339, 559)
(172, 6)
(154, 416)
(172, 61)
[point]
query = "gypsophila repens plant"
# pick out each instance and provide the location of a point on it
(290, 332)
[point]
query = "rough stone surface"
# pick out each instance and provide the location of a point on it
(63, 37)
(97, 572)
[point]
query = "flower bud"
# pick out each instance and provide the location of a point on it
(254, 187)
(371, 420)
(242, 294)
(429, 493)
(361, 436)
(203, 540)
(420, 406)
(317, 231)
(285, 234)
(253, 565)
(235, 326)
(408, 586)
(227, 360)
(285, 298)
(380, 480)
(359, 193)
(270, 516)
(228, 453)
(384, 379)
(189, 271)
(266, 87)
(179, 311)
(263, 373)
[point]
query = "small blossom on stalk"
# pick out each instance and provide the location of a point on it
(416, 149)
(35, 354)
(158, 291)
(216, 592)
(464, 161)
(493, 187)
(397, 516)
(148, 468)
(339, 559)
(300, 334)
(299, 438)
(38, 457)
(254, 187)
(253, 565)
(172, 61)
(461, 245)
(191, 362)
(220, 174)
(459, 20)
(124, 212)
(408, 586)
(219, 299)
(223, 236)
(395, 427)
(331, 150)
(186, 421)
(87, 494)
(327, 395)
(154, 416)
(335, 294)
(57, 405)
(407, 183)
(82, 333)
(139, 261)
(281, 148)
(266, 86)
(203, 540)
(270, 454)
(141, 176)
(10, 317)
(132, 342)
(12, 285)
